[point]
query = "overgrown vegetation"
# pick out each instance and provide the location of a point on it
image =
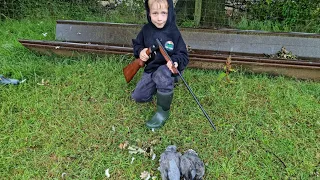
(72, 114)
(90, 10)
(302, 15)
(280, 15)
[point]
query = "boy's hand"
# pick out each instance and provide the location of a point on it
(172, 68)
(143, 55)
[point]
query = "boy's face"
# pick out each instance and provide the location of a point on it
(159, 14)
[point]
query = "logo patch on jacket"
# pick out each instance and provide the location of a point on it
(169, 46)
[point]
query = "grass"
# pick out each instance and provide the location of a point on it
(70, 116)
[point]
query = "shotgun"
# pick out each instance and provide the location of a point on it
(131, 69)
(176, 71)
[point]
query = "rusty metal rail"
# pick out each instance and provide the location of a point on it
(302, 69)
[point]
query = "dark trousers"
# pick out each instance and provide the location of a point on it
(161, 80)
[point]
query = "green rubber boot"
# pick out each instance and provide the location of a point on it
(163, 107)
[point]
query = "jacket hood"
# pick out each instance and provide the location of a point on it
(171, 14)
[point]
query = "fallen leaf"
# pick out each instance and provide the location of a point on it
(123, 145)
(54, 157)
(135, 150)
(43, 82)
(154, 157)
(107, 173)
(145, 175)
(155, 141)
(63, 175)
(132, 159)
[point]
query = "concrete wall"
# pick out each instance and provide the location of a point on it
(257, 42)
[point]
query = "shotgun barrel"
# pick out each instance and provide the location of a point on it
(167, 57)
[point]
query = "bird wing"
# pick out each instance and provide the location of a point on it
(185, 165)
(173, 171)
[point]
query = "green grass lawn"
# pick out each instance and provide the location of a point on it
(70, 116)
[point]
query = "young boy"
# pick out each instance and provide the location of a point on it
(158, 77)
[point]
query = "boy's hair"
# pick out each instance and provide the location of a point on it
(160, 3)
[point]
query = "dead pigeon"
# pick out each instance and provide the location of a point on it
(191, 166)
(169, 164)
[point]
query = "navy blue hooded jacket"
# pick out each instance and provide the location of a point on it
(170, 32)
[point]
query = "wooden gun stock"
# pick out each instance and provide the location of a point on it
(131, 69)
